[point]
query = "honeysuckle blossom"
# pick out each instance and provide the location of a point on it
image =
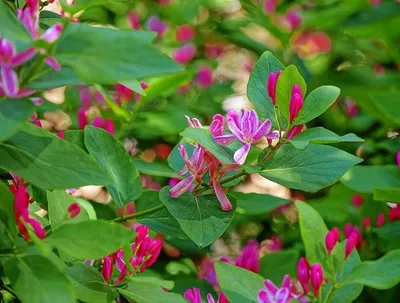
(133, 19)
(184, 33)
(194, 296)
(204, 77)
(185, 53)
(284, 294)
(156, 25)
(331, 238)
(245, 127)
(145, 252)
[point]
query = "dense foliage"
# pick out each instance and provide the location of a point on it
(199, 151)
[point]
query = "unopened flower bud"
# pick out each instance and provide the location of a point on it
(351, 243)
(74, 209)
(316, 277)
(82, 118)
(184, 33)
(331, 239)
(366, 223)
(380, 220)
(296, 103)
(357, 200)
(271, 85)
(303, 274)
(107, 269)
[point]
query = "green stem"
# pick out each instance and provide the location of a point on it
(278, 120)
(35, 68)
(238, 175)
(328, 295)
(139, 214)
(8, 289)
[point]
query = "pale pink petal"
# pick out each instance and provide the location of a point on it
(23, 92)
(282, 296)
(264, 297)
(20, 58)
(271, 287)
(286, 281)
(210, 299)
(222, 198)
(10, 83)
(52, 33)
(241, 154)
(263, 129)
(7, 49)
(182, 187)
(53, 63)
(224, 139)
(234, 129)
(273, 135)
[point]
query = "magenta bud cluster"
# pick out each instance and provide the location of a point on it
(307, 274)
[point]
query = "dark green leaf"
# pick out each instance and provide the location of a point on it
(13, 113)
(142, 292)
(286, 81)
(204, 138)
(47, 161)
(275, 266)
(316, 103)
(320, 135)
(367, 178)
(160, 221)
(97, 61)
(76, 137)
(387, 105)
(36, 279)
(114, 159)
(89, 284)
(200, 217)
(311, 169)
(135, 86)
(257, 86)
(383, 273)
(154, 169)
(8, 226)
(90, 239)
(238, 284)
(257, 204)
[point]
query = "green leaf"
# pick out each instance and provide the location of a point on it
(257, 86)
(89, 284)
(387, 194)
(287, 79)
(11, 28)
(316, 103)
(98, 63)
(275, 266)
(13, 113)
(76, 137)
(311, 169)
(367, 178)
(200, 217)
(175, 160)
(383, 273)
(204, 138)
(90, 239)
(313, 231)
(58, 203)
(256, 204)
(389, 235)
(160, 221)
(386, 103)
(114, 159)
(154, 168)
(36, 279)
(8, 226)
(135, 86)
(320, 135)
(48, 78)
(47, 161)
(141, 292)
(238, 284)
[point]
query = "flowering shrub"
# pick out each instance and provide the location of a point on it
(128, 175)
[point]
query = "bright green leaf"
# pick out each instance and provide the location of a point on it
(387, 194)
(13, 113)
(114, 159)
(90, 239)
(316, 103)
(154, 168)
(320, 135)
(286, 81)
(257, 204)
(238, 284)
(311, 169)
(200, 217)
(135, 86)
(8, 226)
(276, 265)
(47, 161)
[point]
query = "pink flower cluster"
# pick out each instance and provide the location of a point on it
(145, 252)
(194, 296)
(106, 124)
(310, 274)
(283, 294)
(21, 210)
(351, 233)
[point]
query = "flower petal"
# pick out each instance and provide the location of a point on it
(224, 139)
(241, 154)
(282, 296)
(271, 287)
(20, 58)
(210, 298)
(263, 129)
(182, 187)
(222, 198)
(10, 83)
(37, 227)
(53, 63)
(52, 33)
(234, 128)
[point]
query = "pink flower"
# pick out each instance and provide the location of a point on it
(61, 135)
(357, 200)
(249, 257)
(272, 294)
(303, 274)
(21, 212)
(107, 269)
(271, 85)
(148, 182)
(398, 158)
(380, 220)
(207, 272)
(294, 131)
(133, 20)
(98, 122)
(74, 209)
(124, 93)
(366, 222)
(214, 50)
(194, 296)
(293, 19)
(185, 53)
(351, 243)
(156, 25)
(109, 126)
(52, 34)
(246, 128)
(82, 118)
(270, 6)
(351, 108)
(316, 278)
(204, 77)
(296, 103)
(85, 97)
(184, 33)
(309, 44)
(331, 238)
(349, 230)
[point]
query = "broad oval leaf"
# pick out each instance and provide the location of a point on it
(113, 158)
(276, 265)
(142, 292)
(286, 81)
(200, 217)
(257, 86)
(13, 113)
(316, 103)
(383, 273)
(36, 279)
(154, 168)
(47, 161)
(311, 169)
(204, 138)
(367, 178)
(238, 284)
(8, 226)
(320, 135)
(90, 239)
(256, 204)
